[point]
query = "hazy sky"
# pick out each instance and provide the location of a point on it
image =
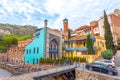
(33, 12)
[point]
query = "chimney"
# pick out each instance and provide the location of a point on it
(45, 22)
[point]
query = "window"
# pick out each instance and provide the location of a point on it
(84, 44)
(33, 60)
(27, 51)
(103, 44)
(37, 49)
(34, 50)
(37, 61)
(30, 51)
(98, 43)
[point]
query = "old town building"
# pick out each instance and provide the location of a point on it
(15, 54)
(114, 20)
(46, 44)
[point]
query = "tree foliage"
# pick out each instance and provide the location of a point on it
(107, 54)
(11, 39)
(69, 34)
(89, 45)
(3, 44)
(116, 10)
(119, 40)
(108, 34)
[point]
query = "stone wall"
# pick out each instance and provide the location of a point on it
(90, 75)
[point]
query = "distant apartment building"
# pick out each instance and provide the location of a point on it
(114, 20)
(46, 44)
(83, 30)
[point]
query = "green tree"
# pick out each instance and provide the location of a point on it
(3, 44)
(10, 39)
(119, 40)
(14, 41)
(108, 34)
(69, 34)
(89, 45)
(107, 54)
(116, 10)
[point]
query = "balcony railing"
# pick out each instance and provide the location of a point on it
(53, 50)
(78, 49)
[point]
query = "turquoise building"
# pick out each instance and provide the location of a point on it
(47, 43)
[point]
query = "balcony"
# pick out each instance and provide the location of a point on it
(54, 51)
(78, 49)
(70, 49)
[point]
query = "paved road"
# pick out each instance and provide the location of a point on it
(118, 69)
(117, 58)
(4, 74)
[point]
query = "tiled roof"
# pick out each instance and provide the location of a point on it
(79, 37)
(82, 27)
(56, 30)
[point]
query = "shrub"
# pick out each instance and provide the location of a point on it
(107, 54)
(82, 59)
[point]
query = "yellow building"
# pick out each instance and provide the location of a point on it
(76, 47)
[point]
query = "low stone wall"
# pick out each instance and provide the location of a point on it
(91, 75)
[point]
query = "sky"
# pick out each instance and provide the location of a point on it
(34, 12)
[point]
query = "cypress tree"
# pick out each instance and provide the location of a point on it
(108, 35)
(69, 34)
(89, 44)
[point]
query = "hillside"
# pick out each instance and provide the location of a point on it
(16, 29)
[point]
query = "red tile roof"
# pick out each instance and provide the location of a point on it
(79, 37)
(83, 27)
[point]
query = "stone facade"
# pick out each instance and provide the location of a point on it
(3, 56)
(15, 54)
(82, 74)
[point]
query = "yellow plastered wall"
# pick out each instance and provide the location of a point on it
(74, 44)
(81, 44)
(100, 44)
(90, 58)
(74, 53)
